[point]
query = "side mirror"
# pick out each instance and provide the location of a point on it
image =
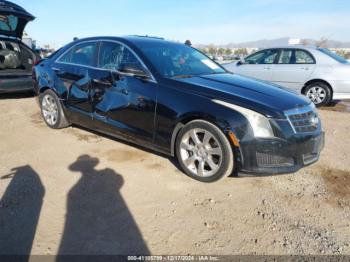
(241, 61)
(133, 69)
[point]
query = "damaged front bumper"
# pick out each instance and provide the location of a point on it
(278, 156)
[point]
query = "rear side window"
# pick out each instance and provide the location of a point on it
(263, 57)
(285, 57)
(303, 57)
(82, 54)
(295, 56)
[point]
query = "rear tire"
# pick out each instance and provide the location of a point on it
(52, 111)
(203, 152)
(319, 93)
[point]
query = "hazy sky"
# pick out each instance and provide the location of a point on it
(202, 21)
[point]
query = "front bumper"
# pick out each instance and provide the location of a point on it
(278, 156)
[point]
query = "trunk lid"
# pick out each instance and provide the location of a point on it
(13, 19)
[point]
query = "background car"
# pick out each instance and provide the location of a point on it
(318, 73)
(16, 58)
(173, 99)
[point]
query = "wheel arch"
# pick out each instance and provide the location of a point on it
(189, 118)
(44, 88)
(61, 96)
(180, 124)
(315, 81)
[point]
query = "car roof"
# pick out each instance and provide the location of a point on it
(131, 40)
(307, 47)
(135, 39)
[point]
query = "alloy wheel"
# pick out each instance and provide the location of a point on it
(201, 152)
(317, 94)
(49, 109)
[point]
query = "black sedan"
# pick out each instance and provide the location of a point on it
(173, 99)
(16, 58)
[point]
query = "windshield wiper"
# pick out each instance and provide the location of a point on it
(217, 73)
(189, 75)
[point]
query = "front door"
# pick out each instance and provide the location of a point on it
(125, 105)
(259, 65)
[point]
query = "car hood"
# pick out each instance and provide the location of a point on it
(268, 99)
(13, 19)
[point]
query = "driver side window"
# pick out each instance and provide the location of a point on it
(112, 55)
(263, 57)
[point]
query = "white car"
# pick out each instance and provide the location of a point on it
(318, 73)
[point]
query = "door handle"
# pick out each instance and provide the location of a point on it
(267, 67)
(125, 91)
(56, 69)
(305, 68)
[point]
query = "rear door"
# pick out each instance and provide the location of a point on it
(73, 71)
(259, 65)
(293, 68)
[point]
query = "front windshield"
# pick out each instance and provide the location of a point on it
(178, 60)
(333, 55)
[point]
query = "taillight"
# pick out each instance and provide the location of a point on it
(33, 74)
(37, 61)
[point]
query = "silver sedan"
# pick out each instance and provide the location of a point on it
(318, 73)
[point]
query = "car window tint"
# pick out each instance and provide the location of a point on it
(82, 54)
(269, 57)
(303, 57)
(253, 59)
(285, 57)
(129, 58)
(8, 22)
(112, 55)
(66, 58)
(263, 57)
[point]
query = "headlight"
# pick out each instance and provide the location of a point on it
(260, 124)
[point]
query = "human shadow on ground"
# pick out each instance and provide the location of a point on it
(98, 221)
(20, 209)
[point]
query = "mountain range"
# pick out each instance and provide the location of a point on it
(265, 43)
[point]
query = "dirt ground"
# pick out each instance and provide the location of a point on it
(73, 192)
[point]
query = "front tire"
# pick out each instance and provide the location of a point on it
(319, 93)
(52, 111)
(203, 151)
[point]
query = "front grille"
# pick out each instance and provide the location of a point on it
(303, 120)
(268, 160)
